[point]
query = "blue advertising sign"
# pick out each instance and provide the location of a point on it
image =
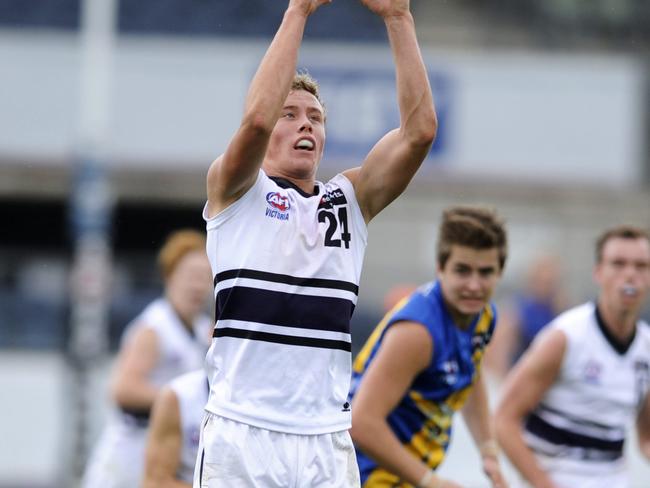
(361, 105)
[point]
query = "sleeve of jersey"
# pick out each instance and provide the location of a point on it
(417, 310)
(566, 323)
(236, 206)
(359, 223)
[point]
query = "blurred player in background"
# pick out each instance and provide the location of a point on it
(286, 252)
(585, 379)
(539, 301)
(422, 363)
(167, 339)
(173, 439)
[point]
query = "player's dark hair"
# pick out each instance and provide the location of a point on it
(473, 227)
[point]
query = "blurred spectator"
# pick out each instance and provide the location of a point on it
(539, 300)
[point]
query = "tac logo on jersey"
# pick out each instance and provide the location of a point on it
(278, 206)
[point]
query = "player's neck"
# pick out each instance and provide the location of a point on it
(461, 320)
(305, 182)
(621, 323)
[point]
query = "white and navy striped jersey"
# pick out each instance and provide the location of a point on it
(580, 424)
(286, 269)
(191, 391)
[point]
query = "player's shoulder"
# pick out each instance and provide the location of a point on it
(580, 314)
(643, 329)
(576, 319)
(421, 306)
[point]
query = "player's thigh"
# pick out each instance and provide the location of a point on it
(328, 461)
(234, 455)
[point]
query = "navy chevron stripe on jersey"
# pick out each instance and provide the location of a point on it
(284, 309)
(542, 429)
(282, 339)
(286, 279)
(542, 408)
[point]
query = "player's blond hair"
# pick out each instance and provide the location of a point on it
(302, 80)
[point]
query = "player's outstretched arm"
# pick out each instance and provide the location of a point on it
(405, 351)
(477, 418)
(235, 171)
(523, 389)
(164, 442)
(391, 164)
(643, 427)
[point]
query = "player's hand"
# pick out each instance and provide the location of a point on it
(493, 471)
(307, 7)
(438, 482)
(387, 8)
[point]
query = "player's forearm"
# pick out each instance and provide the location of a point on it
(134, 395)
(377, 440)
(477, 415)
(509, 435)
(164, 481)
(272, 81)
(417, 114)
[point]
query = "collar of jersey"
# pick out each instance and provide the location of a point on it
(284, 183)
(620, 347)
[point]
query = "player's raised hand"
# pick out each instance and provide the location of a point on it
(307, 7)
(387, 8)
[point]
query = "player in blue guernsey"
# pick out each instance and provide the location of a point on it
(422, 362)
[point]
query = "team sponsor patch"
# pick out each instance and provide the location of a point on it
(331, 198)
(278, 206)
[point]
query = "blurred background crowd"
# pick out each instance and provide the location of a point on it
(544, 109)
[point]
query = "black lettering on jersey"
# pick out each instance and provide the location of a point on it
(333, 225)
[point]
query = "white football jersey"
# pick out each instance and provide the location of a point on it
(179, 349)
(191, 391)
(286, 269)
(579, 426)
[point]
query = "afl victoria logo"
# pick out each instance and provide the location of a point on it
(277, 201)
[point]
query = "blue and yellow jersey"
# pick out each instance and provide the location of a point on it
(422, 420)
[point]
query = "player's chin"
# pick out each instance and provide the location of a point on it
(471, 307)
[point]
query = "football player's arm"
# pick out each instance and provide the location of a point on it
(393, 161)
(477, 418)
(234, 172)
(164, 443)
(130, 385)
(523, 389)
(643, 427)
(405, 351)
